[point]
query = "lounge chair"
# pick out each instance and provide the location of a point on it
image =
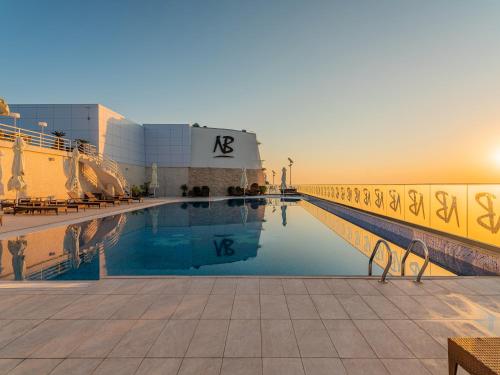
(476, 355)
(127, 198)
(90, 197)
(74, 198)
(65, 203)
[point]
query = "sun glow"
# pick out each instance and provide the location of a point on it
(496, 157)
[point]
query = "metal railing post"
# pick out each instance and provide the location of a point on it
(426, 261)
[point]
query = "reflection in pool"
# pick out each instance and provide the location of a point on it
(230, 237)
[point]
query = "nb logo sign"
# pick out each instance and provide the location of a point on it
(223, 247)
(487, 221)
(379, 198)
(222, 143)
(395, 203)
(448, 209)
(416, 203)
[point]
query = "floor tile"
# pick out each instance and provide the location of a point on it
(174, 339)
(15, 329)
(191, 307)
(135, 307)
(224, 286)
(323, 366)
(201, 286)
(35, 366)
(178, 286)
(219, 306)
(313, 339)
(440, 367)
(364, 367)
(340, 286)
(122, 366)
(294, 286)
(139, 339)
(347, 339)
(77, 366)
(363, 287)
(241, 366)
(208, 339)
(159, 366)
(282, 366)
(278, 339)
(405, 366)
(102, 341)
(243, 339)
(246, 306)
(198, 366)
(383, 307)
(329, 307)
(247, 286)
(271, 286)
(384, 343)
(301, 306)
(356, 307)
(273, 307)
(163, 307)
(130, 286)
(317, 286)
(8, 364)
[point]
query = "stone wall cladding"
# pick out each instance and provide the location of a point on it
(459, 257)
(219, 179)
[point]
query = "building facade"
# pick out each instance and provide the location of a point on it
(185, 154)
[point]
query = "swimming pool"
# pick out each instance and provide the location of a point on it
(265, 236)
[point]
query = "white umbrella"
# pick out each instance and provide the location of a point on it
(244, 180)
(16, 182)
(244, 213)
(74, 181)
(283, 215)
(154, 178)
(74, 245)
(283, 178)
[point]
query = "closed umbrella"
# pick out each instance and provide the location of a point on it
(73, 247)
(16, 249)
(283, 179)
(154, 178)
(74, 180)
(244, 180)
(16, 182)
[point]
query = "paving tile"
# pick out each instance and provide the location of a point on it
(122, 366)
(363, 287)
(174, 339)
(405, 366)
(77, 366)
(197, 366)
(313, 339)
(35, 366)
(103, 309)
(301, 306)
(339, 286)
(219, 306)
(177, 286)
(201, 286)
(246, 306)
(294, 286)
(105, 286)
(224, 286)
(454, 287)
(329, 307)
(80, 307)
(243, 339)
(159, 366)
(323, 366)
(278, 339)
(163, 307)
(384, 343)
(241, 366)
(40, 306)
(139, 339)
(440, 367)
(410, 307)
(347, 339)
(15, 329)
(282, 366)
(364, 367)
(317, 286)
(191, 307)
(247, 286)
(466, 308)
(356, 307)
(411, 288)
(384, 308)
(68, 336)
(155, 286)
(437, 308)
(9, 301)
(208, 339)
(387, 289)
(273, 307)
(135, 307)
(130, 286)
(271, 286)
(440, 330)
(8, 364)
(416, 339)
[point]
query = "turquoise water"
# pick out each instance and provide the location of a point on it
(230, 237)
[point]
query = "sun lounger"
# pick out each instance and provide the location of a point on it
(74, 198)
(33, 209)
(92, 198)
(476, 355)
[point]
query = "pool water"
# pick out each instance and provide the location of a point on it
(228, 237)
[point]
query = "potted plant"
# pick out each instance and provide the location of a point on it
(58, 142)
(184, 189)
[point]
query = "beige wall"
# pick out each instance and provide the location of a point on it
(135, 174)
(169, 180)
(219, 179)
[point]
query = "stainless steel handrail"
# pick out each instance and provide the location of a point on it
(389, 259)
(426, 261)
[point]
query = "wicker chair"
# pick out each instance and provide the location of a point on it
(477, 355)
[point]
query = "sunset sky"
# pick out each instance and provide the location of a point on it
(354, 91)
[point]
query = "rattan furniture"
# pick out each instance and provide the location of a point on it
(477, 355)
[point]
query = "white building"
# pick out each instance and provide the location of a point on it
(185, 154)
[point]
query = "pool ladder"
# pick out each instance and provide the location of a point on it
(403, 260)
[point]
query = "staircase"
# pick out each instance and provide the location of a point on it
(106, 169)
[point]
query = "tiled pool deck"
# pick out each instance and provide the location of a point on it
(236, 326)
